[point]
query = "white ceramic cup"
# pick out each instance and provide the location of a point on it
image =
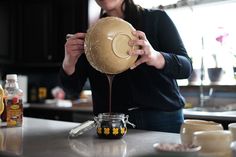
(232, 128)
(233, 148)
(192, 125)
(214, 143)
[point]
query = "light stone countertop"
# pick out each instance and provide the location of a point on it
(48, 138)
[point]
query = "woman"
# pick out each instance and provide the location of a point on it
(148, 91)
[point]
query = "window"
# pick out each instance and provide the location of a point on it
(208, 31)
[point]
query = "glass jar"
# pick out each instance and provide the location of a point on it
(111, 125)
(108, 125)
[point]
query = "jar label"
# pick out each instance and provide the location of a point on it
(14, 112)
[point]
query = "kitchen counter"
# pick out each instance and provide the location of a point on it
(45, 138)
(82, 111)
(80, 107)
(224, 115)
(77, 112)
(87, 108)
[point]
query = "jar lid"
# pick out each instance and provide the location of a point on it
(111, 116)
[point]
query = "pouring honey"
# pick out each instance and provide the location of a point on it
(108, 38)
(108, 125)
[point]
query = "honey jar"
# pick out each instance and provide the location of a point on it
(111, 125)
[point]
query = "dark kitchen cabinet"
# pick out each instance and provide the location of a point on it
(36, 43)
(48, 114)
(77, 113)
(33, 32)
(7, 27)
(71, 17)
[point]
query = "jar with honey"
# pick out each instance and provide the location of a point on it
(111, 125)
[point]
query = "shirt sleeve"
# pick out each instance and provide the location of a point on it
(178, 65)
(73, 84)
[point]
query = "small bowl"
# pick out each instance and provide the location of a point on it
(106, 45)
(233, 148)
(232, 128)
(175, 149)
(192, 125)
(214, 143)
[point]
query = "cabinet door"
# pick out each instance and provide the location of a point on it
(72, 18)
(45, 113)
(36, 32)
(44, 25)
(6, 32)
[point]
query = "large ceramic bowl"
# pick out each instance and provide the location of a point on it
(106, 45)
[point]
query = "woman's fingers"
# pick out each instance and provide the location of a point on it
(75, 36)
(70, 47)
(76, 41)
(141, 42)
(138, 62)
(80, 35)
(139, 34)
(76, 47)
(72, 42)
(136, 52)
(137, 42)
(147, 54)
(144, 47)
(75, 44)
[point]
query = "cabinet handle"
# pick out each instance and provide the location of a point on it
(56, 117)
(49, 57)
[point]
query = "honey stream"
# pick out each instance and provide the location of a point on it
(110, 80)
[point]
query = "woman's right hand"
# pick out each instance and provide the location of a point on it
(74, 47)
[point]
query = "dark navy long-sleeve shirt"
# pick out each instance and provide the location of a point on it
(144, 87)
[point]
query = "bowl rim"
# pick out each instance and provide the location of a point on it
(199, 122)
(212, 132)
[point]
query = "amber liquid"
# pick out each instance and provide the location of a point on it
(3, 116)
(14, 112)
(110, 79)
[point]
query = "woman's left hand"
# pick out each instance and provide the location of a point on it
(146, 52)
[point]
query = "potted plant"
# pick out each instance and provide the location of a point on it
(216, 72)
(234, 66)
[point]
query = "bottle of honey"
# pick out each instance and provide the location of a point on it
(2, 107)
(13, 100)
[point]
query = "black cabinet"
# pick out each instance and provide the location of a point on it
(36, 43)
(32, 32)
(58, 113)
(72, 17)
(7, 27)
(44, 25)
(48, 114)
